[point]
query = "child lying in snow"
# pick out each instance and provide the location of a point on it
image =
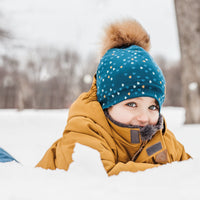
(120, 115)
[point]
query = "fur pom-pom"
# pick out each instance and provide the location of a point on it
(125, 33)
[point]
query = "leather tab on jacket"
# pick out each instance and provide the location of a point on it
(154, 148)
(135, 136)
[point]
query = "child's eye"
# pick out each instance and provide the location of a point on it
(132, 104)
(153, 107)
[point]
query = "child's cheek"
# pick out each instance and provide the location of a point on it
(154, 118)
(125, 117)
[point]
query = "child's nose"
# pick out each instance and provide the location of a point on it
(142, 118)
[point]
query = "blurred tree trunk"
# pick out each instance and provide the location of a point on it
(188, 20)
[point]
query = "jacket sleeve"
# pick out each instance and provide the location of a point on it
(179, 153)
(175, 149)
(59, 155)
(130, 166)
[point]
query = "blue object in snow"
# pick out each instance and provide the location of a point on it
(5, 157)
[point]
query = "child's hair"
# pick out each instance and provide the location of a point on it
(126, 70)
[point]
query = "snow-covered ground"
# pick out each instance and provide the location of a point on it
(28, 134)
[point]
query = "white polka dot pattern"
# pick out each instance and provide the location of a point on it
(125, 73)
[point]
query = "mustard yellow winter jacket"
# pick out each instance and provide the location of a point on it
(120, 148)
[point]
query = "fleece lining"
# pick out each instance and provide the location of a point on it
(146, 132)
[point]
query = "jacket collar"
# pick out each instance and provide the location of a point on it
(135, 134)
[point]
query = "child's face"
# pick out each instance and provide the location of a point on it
(140, 111)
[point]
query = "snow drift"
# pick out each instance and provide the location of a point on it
(28, 134)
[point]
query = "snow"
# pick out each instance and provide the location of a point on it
(28, 134)
(193, 86)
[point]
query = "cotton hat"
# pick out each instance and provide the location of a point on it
(127, 70)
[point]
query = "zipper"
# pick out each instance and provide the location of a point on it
(139, 150)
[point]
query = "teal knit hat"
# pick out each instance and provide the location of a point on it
(128, 72)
